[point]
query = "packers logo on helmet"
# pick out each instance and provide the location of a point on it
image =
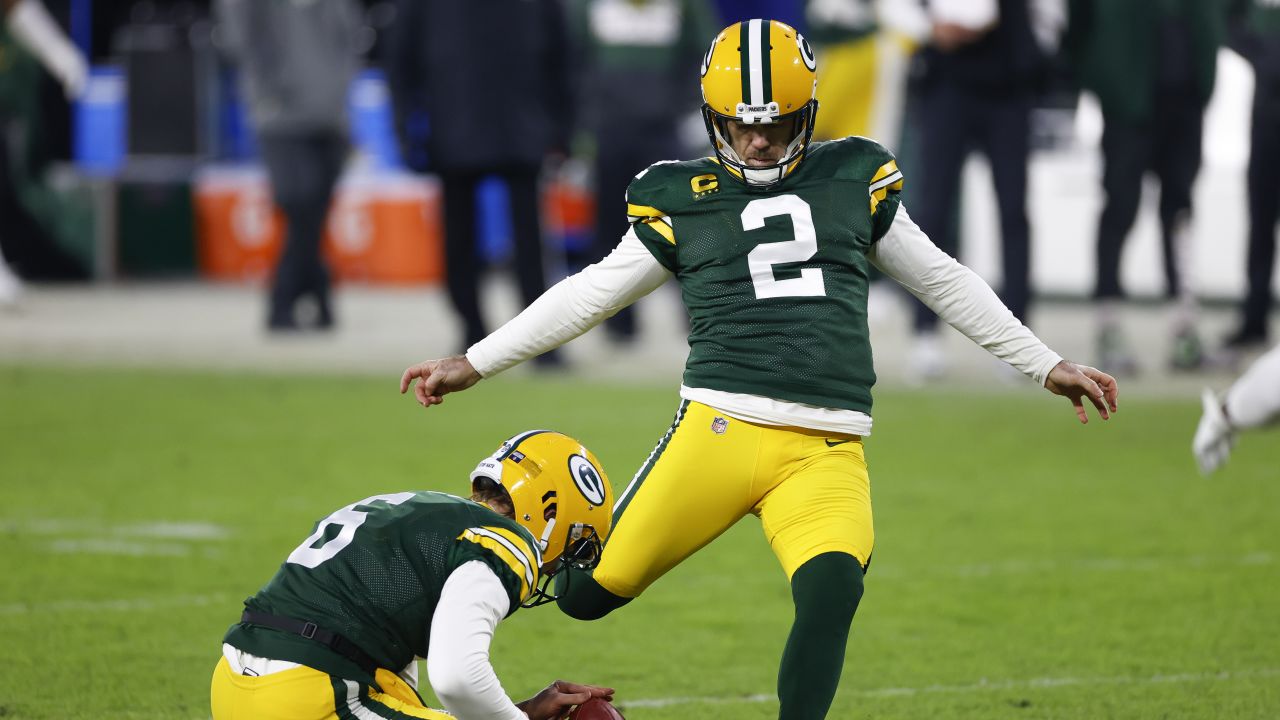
(759, 71)
(559, 493)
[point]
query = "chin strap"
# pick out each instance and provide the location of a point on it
(545, 540)
(760, 177)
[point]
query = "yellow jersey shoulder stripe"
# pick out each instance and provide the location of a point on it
(653, 218)
(662, 226)
(887, 179)
(643, 211)
(511, 549)
(885, 171)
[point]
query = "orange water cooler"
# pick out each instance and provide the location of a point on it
(383, 228)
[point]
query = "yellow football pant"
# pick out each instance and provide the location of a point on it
(810, 490)
(304, 693)
(847, 93)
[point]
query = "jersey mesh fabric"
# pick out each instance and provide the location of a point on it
(380, 591)
(813, 349)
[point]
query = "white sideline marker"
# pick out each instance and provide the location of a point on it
(119, 605)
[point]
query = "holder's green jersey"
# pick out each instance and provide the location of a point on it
(373, 572)
(775, 281)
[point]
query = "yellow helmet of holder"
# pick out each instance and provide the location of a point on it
(560, 493)
(759, 71)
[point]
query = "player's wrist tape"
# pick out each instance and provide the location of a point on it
(311, 631)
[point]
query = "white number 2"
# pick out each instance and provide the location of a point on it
(765, 255)
(348, 519)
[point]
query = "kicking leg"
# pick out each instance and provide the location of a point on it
(694, 486)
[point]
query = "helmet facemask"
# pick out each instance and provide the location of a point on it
(581, 552)
(760, 176)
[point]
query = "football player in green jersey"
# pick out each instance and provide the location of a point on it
(404, 576)
(771, 240)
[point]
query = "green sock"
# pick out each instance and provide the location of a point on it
(581, 597)
(826, 591)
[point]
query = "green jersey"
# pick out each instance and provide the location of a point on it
(775, 281)
(373, 573)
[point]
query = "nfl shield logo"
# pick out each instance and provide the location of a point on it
(719, 425)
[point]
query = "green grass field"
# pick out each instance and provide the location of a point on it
(1026, 567)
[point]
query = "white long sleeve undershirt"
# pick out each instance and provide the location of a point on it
(905, 253)
(571, 307)
(959, 297)
(471, 605)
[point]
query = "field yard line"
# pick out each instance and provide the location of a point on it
(162, 529)
(120, 605)
(980, 686)
(111, 546)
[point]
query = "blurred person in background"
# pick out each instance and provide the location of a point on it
(843, 32)
(1255, 34)
(296, 62)
(865, 46)
(493, 82)
(1253, 401)
(24, 241)
(973, 86)
(635, 93)
(1151, 64)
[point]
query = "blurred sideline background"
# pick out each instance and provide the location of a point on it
(154, 185)
(158, 164)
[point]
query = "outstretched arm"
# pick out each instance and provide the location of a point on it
(30, 24)
(968, 304)
(1076, 382)
(436, 378)
(570, 308)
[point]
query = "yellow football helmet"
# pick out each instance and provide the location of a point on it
(759, 71)
(560, 493)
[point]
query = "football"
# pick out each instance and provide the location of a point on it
(595, 709)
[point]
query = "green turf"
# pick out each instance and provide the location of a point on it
(1026, 567)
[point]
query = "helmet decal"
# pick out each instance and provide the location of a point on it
(587, 478)
(706, 59)
(806, 53)
(510, 444)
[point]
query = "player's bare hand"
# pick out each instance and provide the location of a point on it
(558, 698)
(949, 37)
(1077, 382)
(436, 378)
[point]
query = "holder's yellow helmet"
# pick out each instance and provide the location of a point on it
(759, 71)
(560, 493)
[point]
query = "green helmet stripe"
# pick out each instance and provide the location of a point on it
(514, 442)
(744, 60)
